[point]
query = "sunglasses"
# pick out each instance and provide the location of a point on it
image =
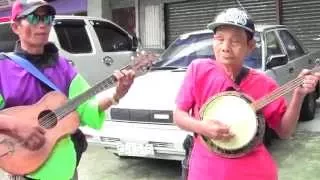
(35, 19)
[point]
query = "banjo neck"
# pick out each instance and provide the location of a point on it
(282, 90)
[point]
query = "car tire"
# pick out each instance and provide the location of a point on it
(308, 108)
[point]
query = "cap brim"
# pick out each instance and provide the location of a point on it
(214, 25)
(50, 8)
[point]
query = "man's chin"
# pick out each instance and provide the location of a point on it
(41, 43)
(227, 62)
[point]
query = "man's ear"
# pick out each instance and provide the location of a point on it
(251, 45)
(15, 27)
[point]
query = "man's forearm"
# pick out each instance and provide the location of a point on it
(105, 104)
(290, 119)
(186, 122)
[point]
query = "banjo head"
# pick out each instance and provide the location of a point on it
(234, 110)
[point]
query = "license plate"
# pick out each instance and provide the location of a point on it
(135, 149)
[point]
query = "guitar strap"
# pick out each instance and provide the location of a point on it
(27, 65)
(243, 73)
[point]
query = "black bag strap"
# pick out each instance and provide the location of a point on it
(243, 73)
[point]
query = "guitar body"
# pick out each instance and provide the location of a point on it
(21, 161)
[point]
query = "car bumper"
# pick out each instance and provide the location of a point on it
(139, 140)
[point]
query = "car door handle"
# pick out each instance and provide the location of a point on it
(291, 70)
(107, 60)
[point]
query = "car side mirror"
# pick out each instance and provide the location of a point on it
(276, 60)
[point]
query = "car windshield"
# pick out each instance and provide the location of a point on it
(185, 49)
(188, 47)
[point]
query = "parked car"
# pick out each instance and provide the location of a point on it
(96, 46)
(141, 124)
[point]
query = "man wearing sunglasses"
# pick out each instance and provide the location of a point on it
(32, 21)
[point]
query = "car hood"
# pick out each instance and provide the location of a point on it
(156, 90)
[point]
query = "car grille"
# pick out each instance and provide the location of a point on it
(142, 116)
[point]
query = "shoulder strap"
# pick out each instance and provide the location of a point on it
(31, 69)
(243, 72)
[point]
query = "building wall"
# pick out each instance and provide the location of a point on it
(152, 23)
(99, 8)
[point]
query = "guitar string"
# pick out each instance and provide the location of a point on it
(279, 91)
(266, 100)
(111, 80)
(283, 90)
(49, 118)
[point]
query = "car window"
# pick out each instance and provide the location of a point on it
(111, 38)
(185, 49)
(7, 38)
(254, 60)
(272, 44)
(293, 48)
(73, 36)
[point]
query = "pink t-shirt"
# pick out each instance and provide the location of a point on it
(204, 79)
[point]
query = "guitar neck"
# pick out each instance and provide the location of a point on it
(140, 65)
(284, 89)
(72, 104)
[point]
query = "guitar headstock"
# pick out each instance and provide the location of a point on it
(143, 61)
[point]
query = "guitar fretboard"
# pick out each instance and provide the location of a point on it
(72, 104)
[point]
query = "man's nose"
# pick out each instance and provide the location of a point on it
(42, 25)
(226, 46)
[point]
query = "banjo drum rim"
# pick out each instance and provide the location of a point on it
(239, 152)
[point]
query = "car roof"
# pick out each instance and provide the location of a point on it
(258, 27)
(80, 17)
(7, 19)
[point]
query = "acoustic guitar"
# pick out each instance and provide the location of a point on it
(56, 115)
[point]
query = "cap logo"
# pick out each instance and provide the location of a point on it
(235, 16)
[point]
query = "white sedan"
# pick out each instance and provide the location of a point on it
(141, 124)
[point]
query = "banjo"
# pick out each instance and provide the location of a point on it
(244, 117)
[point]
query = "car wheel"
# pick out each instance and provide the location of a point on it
(308, 108)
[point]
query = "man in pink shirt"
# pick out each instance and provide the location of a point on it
(233, 41)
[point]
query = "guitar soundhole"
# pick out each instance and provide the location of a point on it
(47, 119)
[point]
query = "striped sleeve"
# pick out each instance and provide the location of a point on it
(89, 111)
